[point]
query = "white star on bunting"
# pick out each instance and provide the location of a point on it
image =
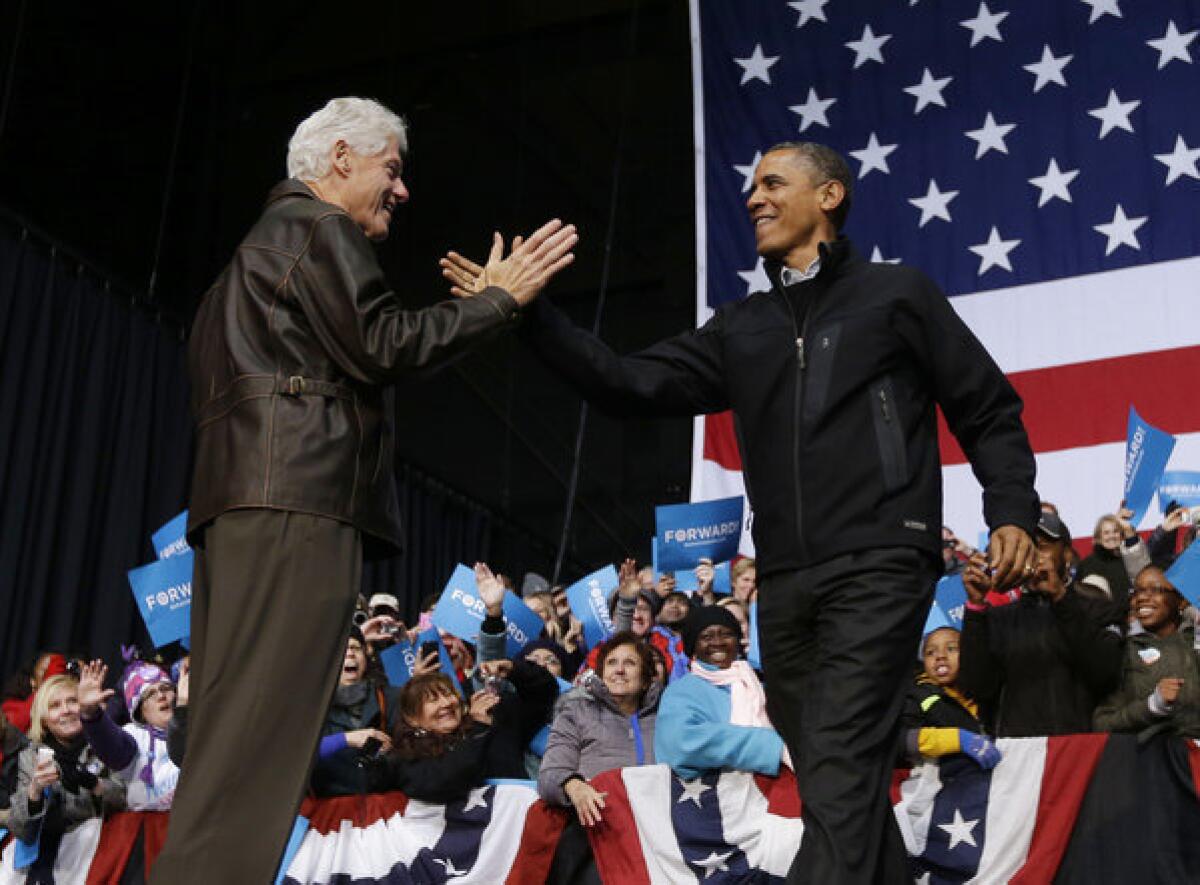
(693, 790)
(1102, 7)
(935, 204)
(990, 136)
(1121, 231)
(476, 799)
(868, 47)
(1173, 46)
(1055, 183)
(959, 830)
(877, 257)
(756, 279)
(985, 25)
(714, 863)
(1114, 114)
(928, 91)
(873, 156)
(757, 66)
(1048, 69)
(813, 110)
(809, 10)
(1181, 161)
(747, 171)
(448, 866)
(994, 253)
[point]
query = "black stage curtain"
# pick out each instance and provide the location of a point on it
(95, 448)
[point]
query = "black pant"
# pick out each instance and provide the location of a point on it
(272, 595)
(839, 641)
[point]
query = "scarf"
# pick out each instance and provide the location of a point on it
(146, 775)
(53, 824)
(747, 701)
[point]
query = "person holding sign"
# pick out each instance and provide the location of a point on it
(289, 356)
(834, 375)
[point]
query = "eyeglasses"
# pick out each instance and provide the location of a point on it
(161, 688)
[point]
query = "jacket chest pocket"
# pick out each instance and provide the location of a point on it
(822, 350)
(889, 435)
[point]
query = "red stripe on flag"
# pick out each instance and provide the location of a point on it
(1194, 761)
(1066, 773)
(543, 825)
(326, 815)
(720, 442)
(1087, 404)
(615, 843)
(117, 836)
(782, 793)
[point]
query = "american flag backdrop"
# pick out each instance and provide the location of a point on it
(1041, 161)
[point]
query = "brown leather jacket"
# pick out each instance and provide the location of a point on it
(288, 356)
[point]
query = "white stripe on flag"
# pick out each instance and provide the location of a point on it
(770, 842)
(710, 481)
(649, 790)
(1098, 316)
(915, 808)
(74, 858)
(1012, 809)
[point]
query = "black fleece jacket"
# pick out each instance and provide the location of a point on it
(834, 410)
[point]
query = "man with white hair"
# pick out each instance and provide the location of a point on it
(289, 354)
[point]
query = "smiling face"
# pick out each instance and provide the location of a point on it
(717, 645)
(941, 656)
(1156, 603)
(1109, 534)
(440, 713)
(788, 207)
(354, 663)
(745, 585)
(621, 673)
(62, 713)
(372, 187)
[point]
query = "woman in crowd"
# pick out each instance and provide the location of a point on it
(743, 576)
(136, 754)
(1104, 567)
(364, 713)
(939, 719)
(740, 611)
(60, 782)
(1160, 679)
(716, 717)
(19, 692)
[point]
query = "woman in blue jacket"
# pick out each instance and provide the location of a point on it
(715, 717)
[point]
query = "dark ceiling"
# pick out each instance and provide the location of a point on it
(145, 141)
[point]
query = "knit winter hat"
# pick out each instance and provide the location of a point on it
(706, 616)
(138, 678)
(551, 646)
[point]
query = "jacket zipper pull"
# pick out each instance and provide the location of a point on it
(800, 351)
(887, 413)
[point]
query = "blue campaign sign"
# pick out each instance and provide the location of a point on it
(687, 533)
(460, 611)
(169, 540)
(588, 598)
(937, 619)
(753, 654)
(1179, 485)
(299, 829)
(163, 593)
(398, 661)
(951, 597)
(1185, 574)
(1147, 450)
(447, 665)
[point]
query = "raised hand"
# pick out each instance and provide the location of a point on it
(481, 706)
(491, 590)
(379, 628)
(976, 579)
(429, 663)
(524, 273)
(92, 693)
(705, 575)
(185, 681)
(630, 584)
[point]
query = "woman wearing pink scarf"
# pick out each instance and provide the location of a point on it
(715, 717)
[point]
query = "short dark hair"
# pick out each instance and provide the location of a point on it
(827, 165)
(644, 652)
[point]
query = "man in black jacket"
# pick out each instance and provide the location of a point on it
(832, 376)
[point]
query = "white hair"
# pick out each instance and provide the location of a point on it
(363, 123)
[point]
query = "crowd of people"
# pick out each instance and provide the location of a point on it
(1102, 643)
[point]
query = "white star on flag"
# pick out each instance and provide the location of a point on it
(1102, 7)
(693, 790)
(756, 279)
(985, 25)
(1048, 69)
(476, 799)
(757, 66)
(877, 257)
(1181, 161)
(928, 91)
(1121, 231)
(809, 10)
(1114, 114)
(868, 47)
(994, 253)
(873, 156)
(1173, 46)
(747, 171)
(935, 204)
(959, 830)
(714, 863)
(1055, 183)
(448, 866)
(813, 110)
(990, 136)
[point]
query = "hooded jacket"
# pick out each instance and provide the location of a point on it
(833, 384)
